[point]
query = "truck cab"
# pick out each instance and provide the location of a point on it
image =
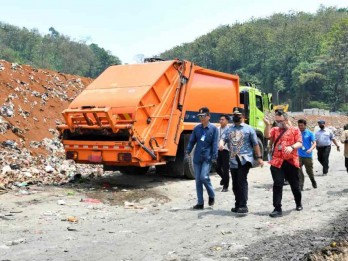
(256, 103)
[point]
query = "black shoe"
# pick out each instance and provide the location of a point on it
(221, 182)
(314, 184)
(299, 208)
(224, 190)
(211, 201)
(276, 213)
(242, 210)
(198, 206)
(234, 210)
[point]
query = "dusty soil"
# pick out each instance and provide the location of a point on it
(150, 218)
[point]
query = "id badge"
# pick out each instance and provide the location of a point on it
(203, 137)
(279, 147)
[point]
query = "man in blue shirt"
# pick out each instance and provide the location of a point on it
(205, 137)
(306, 153)
(242, 143)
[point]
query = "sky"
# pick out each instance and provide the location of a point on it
(128, 28)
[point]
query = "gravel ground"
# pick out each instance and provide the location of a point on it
(150, 218)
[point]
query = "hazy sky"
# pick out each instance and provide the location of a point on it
(149, 27)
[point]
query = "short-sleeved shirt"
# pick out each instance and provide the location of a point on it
(222, 135)
(324, 137)
(241, 141)
(290, 137)
(206, 141)
(307, 141)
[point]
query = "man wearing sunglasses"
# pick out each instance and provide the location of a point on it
(285, 163)
(205, 137)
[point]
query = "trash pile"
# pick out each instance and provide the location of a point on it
(31, 102)
(19, 168)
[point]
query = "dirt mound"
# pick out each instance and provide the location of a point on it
(31, 101)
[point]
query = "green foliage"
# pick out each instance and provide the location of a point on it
(319, 105)
(299, 56)
(53, 51)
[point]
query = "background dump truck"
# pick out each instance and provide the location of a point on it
(135, 116)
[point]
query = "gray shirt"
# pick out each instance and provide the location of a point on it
(324, 137)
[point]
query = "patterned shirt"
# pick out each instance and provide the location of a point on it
(290, 137)
(206, 141)
(307, 141)
(324, 137)
(241, 141)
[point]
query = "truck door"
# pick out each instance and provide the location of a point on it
(256, 110)
(244, 100)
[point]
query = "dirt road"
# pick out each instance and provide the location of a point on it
(152, 219)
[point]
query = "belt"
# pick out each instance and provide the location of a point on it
(323, 146)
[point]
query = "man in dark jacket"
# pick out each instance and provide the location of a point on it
(205, 137)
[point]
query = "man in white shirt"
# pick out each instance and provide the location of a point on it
(324, 137)
(223, 160)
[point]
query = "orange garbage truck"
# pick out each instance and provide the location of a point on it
(135, 116)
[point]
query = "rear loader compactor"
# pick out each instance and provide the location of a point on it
(135, 116)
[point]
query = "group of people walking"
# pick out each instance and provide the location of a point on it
(235, 149)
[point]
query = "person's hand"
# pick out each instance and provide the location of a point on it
(288, 149)
(260, 162)
(221, 147)
(309, 151)
(266, 121)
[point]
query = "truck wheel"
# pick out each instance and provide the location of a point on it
(188, 162)
(174, 168)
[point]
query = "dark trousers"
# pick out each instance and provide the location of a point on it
(308, 163)
(223, 167)
(240, 184)
(323, 157)
(291, 173)
(346, 162)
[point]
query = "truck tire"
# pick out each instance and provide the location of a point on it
(188, 162)
(174, 168)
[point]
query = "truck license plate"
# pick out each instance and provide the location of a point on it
(95, 156)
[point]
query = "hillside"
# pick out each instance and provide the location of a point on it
(31, 102)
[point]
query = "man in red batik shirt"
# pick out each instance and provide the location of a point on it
(285, 161)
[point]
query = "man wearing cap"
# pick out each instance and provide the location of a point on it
(242, 143)
(205, 137)
(324, 137)
(285, 161)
